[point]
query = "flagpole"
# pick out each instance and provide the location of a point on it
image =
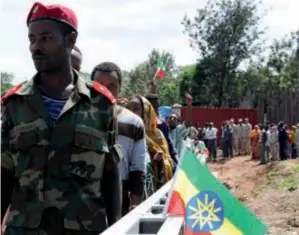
(154, 78)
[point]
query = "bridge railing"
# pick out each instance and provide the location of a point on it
(148, 219)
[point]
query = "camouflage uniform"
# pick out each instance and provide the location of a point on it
(60, 167)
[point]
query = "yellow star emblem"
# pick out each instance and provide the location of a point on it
(204, 213)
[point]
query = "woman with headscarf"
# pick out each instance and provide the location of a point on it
(293, 142)
(160, 158)
(254, 141)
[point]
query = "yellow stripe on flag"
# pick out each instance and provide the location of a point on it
(184, 187)
(227, 228)
(187, 190)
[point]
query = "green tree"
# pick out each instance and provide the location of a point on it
(137, 80)
(225, 33)
(6, 81)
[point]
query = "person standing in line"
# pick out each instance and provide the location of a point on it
(235, 134)
(239, 136)
(297, 139)
(211, 134)
(267, 143)
(131, 136)
(274, 146)
(254, 141)
(262, 142)
(221, 144)
(153, 98)
(248, 129)
(243, 137)
(205, 140)
(283, 142)
(294, 152)
(59, 154)
(179, 131)
(76, 58)
(227, 141)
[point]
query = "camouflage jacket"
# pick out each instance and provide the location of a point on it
(59, 167)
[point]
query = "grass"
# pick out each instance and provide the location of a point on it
(282, 175)
(295, 169)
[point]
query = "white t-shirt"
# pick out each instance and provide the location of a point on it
(211, 133)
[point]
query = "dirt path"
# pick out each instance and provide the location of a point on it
(270, 191)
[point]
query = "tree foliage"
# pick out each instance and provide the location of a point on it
(6, 81)
(137, 79)
(225, 33)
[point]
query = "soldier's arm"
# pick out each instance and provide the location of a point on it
(7, 166)
(111, 186)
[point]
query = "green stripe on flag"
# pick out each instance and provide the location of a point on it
(202, 179)
(160, 64)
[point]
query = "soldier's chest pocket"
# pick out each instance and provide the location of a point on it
(89, 151)
(29, 144)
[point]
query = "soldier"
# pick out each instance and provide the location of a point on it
(247, 131)
(58, 153)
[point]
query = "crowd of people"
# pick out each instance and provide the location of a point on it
(72, 160)
(262, 142)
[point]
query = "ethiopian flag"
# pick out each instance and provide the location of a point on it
(207, 205)
(160, 73)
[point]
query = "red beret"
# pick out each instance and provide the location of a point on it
(54, 12)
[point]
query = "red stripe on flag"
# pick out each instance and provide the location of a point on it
(160, 74)
(176, 204)
(187, 231)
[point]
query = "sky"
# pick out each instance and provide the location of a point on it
(124, 31)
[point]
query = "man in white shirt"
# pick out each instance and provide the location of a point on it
(211, 136)
(235, 133)
(239, 136)
(267, 143)
(247, 131)
(274, 145)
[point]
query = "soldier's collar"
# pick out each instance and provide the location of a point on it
(81, 85)
(30, 87)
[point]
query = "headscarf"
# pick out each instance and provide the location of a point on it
(155, 139)
(293, 134)
(255, 133)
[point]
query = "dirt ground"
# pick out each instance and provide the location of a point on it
(270, 191)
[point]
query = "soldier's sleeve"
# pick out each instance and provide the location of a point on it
(7, 166)
(6, 156)
(111, 183)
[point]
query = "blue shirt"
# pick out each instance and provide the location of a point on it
(54, 107)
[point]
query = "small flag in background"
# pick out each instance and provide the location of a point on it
(207, 205)
(160, 73)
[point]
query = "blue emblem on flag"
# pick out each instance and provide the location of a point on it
(204, 212)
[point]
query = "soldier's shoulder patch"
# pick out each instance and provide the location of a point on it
(102, 90)
(10, 92)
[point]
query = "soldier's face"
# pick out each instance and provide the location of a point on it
(109, 80)
(49, 48)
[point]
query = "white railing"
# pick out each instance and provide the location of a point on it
(148, 218)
